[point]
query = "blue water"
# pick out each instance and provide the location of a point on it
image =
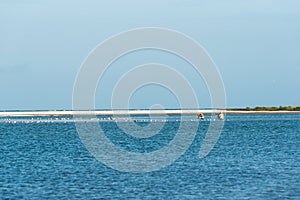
(256, 157)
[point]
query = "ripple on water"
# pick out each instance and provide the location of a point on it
(254, 158)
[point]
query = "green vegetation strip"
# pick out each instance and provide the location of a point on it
(280, 108)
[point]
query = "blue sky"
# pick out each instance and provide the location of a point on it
(255, 44)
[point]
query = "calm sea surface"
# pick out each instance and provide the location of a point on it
(256, 157)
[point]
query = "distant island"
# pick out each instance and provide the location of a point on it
(259, 108)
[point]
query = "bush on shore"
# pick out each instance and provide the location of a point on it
(280, 108)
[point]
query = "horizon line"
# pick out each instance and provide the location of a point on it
(135, 112)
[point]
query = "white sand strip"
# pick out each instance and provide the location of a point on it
(134, 112)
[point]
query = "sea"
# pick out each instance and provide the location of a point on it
(255, 157)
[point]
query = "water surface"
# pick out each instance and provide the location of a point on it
(256, 157)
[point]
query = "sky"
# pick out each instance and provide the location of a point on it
(255, 45)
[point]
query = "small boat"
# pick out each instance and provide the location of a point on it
(201, 116)
(221, 116)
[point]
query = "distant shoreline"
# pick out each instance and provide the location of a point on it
(139, 112)
(260, 108)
